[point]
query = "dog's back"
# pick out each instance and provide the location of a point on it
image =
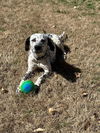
(59, 40)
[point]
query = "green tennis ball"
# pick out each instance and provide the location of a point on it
(27, 86)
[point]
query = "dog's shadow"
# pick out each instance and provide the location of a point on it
(68, 71)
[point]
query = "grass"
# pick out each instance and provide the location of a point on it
(24, 113)
(62, 12)
(2, 29)
(97, 77)
(88, 13)
(90, 4)
(60, 125)
(87, 7)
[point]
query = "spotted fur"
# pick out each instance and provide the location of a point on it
(42, 51)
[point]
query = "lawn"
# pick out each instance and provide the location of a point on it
(63, 105)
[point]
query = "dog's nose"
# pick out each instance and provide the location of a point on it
(37, 47)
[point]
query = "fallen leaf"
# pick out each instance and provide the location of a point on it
(39, 130)
(86, 125)
(4, 90)
(51, 111)
(78, 75)
(84, 94)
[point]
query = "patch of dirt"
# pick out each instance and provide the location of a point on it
(74, 96)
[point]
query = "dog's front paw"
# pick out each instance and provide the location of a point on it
(17, 90)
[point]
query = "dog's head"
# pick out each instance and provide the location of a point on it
(38, 44)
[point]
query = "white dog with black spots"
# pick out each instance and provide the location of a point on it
(42, 50)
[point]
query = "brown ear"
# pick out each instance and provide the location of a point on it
(27, 44)
(50, 44)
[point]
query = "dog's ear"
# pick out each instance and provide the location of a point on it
(27, 44)
(50, 44)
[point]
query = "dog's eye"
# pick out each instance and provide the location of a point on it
(34, 40)
(43, 40)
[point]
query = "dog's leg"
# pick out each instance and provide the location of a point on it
(63, 38)
(28, 74)
(47, 72)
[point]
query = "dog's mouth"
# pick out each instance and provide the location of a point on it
(37, 51)
(39, 54)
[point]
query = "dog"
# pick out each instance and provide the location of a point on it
(42, 52)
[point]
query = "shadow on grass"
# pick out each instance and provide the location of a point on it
(66, 70)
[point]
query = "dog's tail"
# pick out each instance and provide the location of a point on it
(63, 37)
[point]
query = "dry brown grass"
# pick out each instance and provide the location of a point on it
(77, 103)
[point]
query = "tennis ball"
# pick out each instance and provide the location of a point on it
(27, 86)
